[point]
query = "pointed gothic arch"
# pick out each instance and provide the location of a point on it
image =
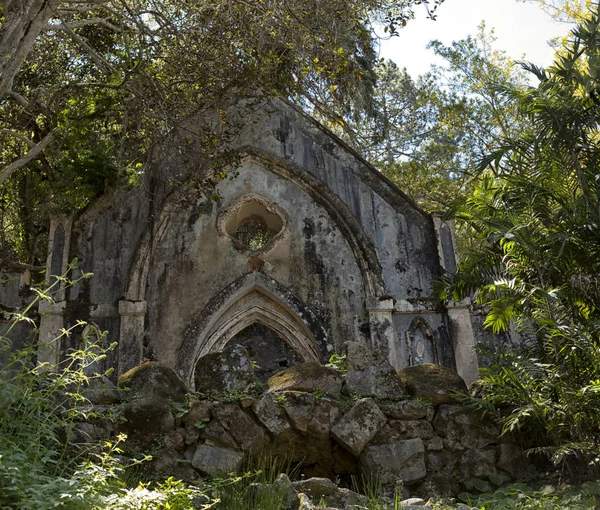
(252, 299)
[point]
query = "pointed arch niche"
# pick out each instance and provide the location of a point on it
(421, 343)
(238, 308)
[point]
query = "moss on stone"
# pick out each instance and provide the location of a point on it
(433, 383)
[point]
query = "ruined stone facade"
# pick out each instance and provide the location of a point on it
(308, 247)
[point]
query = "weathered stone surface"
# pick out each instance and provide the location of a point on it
(461, 428)
(228, 370)
(89, 432)
(175, 440)
(291, 495)
(307, 377)
(433, 383)
(410, 429)
(101, 391)
(403, 460)
(371, 375)
(316, 488)
(249, 436)
(216, 461)
(477, 463)
(326, 412)
(434, 444)
(509, 458)
(152, 379)
(271, 414)
(167, 462)
(199, 412)
(304, 503)
(395, 430)
(345, 498)
(146, 418)
(358, 426)
(299, 407)
(147, 391)
(408, 410)
(216, 435)
(412, 502)
(441, 462)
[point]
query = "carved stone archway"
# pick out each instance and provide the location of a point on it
(252, 299)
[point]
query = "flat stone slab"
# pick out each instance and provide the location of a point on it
(216, 461)
(358, 426)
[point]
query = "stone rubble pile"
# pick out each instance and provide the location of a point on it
(366, 420)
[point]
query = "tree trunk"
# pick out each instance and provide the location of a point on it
(23, 22)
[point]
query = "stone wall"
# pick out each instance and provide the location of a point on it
(361, 418)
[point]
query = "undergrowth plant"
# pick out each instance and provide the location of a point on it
(257, 488)
(40, 408)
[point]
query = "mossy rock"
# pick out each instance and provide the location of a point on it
(308, 377)
(224, 371)
(152, 378)
(433, 383)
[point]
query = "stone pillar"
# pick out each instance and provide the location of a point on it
(465, 356)
(459, 314)
(131, 334)
(383, 333)
(51, 325)
(57, 262)
(446, 240)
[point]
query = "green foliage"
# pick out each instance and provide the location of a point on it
(100, 91)
(536, 214)
(256, 488)
(373, 490)
(338, 362)
(41, 409)
(521, 496)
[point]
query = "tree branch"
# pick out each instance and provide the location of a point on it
(18, 98)
(10, 132)
(98, 59)
(33, 153)
(82, 23)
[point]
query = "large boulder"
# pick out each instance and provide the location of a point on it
(370, 374)
(509, 458)
(148, 392)
(146, 418)
(402, 460)
(433, 383)
(152, 378)
(228, 370)
(358, 426)
(217, 461)
(404, 429)
(308, 377)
